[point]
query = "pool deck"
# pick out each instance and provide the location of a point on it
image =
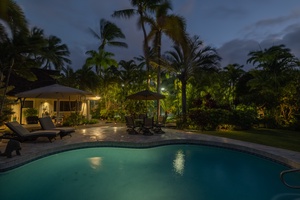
(111, 134)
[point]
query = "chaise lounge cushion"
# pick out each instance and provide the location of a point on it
(47, 124)
(23, 134)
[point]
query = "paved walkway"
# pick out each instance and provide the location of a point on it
(116, 135)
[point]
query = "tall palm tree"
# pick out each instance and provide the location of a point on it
(141, 8)
(173, 26)
(55, 53)
(107, 35)
(12, 16)
(186, 58)
(13, 30)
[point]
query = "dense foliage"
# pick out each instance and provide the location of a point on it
(199, 92)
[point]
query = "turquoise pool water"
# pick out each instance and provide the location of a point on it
(183, 172)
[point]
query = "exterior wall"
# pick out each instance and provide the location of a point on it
(16, 110)
(45, 107)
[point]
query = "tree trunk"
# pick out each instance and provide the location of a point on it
(146, 50)
(183, 98)
(158, 74)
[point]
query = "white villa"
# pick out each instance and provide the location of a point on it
(47, 97)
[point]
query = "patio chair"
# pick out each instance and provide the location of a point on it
(142, 116)
(161, 122)
(47, 124)
(148, 126)
(130, 125)
(21, 134)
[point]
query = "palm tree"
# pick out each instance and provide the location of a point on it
(107, 35)
(109, 81)
(276, 63)
(13, 31)
(171, 25)
(232, 73)
(100, 59)
(130, 73)
(274, 71)
(87, 79)
(186, 58)
(54, 53)
(142, 8)
(68, 77)
(12, 16)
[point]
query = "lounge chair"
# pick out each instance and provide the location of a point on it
(47, 124)
(21, 134)
(130, 125)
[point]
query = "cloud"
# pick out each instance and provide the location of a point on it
(292, 38)
(278, 20)
(267, 26)
(219, 23)
(236, 51)
(225, 11)
(186, 7)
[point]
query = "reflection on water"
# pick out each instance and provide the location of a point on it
(174, 172)
(95, 162)
(178, 162)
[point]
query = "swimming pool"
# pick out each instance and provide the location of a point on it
(164, 172)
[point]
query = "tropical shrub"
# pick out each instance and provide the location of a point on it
(30, 112)
(92, 121)
(74, 119)
(216, 118)
(31, 116)
(96, 112)
(7, 112)
(243, 117)
(209, 119)
(180, 123)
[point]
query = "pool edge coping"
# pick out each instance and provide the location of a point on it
(122, 144)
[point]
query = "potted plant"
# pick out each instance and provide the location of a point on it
(31, 115)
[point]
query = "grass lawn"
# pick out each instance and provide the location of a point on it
(271, 137)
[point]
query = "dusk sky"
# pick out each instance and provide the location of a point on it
(233, 27)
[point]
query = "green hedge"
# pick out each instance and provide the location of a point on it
(213, 119)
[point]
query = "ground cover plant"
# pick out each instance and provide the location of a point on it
(284, 139)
